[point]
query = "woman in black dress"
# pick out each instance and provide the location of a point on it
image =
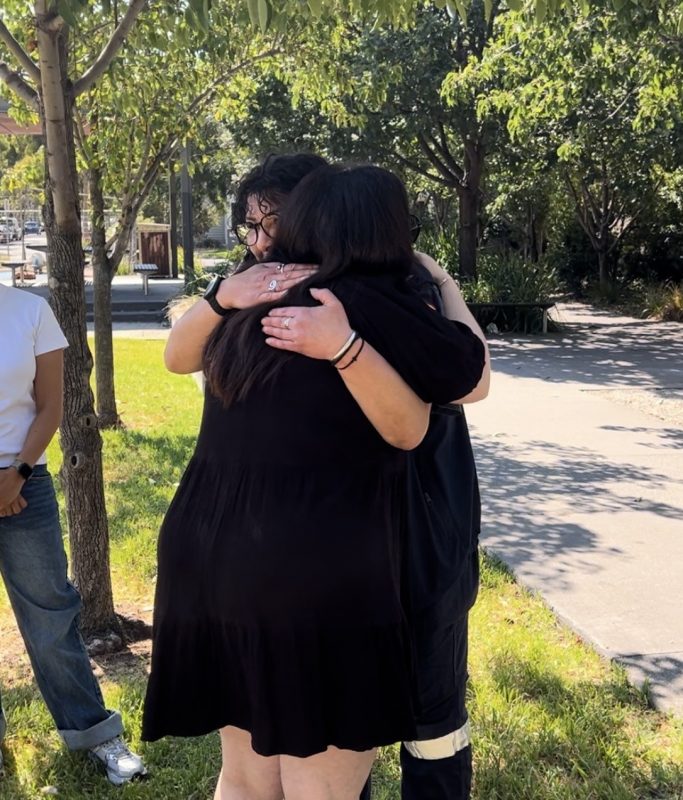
(277, 616)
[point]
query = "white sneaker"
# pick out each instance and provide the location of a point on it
(120, 763)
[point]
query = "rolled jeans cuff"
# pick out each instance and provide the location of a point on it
(83, 740)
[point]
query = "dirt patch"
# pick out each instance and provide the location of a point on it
(129, 662)
(664, 404)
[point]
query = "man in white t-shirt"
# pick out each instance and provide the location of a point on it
(32, 559)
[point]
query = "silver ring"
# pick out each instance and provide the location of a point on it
(272, 286)
(281, 266)
(286, 322)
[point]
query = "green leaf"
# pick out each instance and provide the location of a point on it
(515, 5)
(488, 9)
(252, 5)
(457, 8)
(201, 14)
(541, 10)
(263, 15)
(68, 12)
(316, 7)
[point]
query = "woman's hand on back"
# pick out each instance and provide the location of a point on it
(262, 283)
(318, 332)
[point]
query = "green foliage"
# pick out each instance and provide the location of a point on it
(664, 302)
(232, 259)
(26, 176)
(442, 247)
(512, 279)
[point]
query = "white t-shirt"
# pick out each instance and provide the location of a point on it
(28, 328)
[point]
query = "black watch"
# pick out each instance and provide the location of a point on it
(210, 296)
(25, 470)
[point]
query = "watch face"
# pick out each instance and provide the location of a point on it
(23, 469)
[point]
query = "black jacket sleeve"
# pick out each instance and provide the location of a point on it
(439, 359)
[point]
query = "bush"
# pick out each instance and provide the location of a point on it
(204, 276)
(664, 301)
(442, 248)
(511, 279)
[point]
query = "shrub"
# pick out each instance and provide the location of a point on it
(442, 248)
(204, 276)
(511, 279)
(664, 301)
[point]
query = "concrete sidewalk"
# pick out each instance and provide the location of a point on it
(580, 454)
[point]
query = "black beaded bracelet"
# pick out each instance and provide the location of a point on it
(355, 358)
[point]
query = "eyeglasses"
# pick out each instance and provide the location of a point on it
(415, 227)
(247, 232)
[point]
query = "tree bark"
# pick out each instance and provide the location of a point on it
(469, 196)
(468, 231)
(102, 277)
(603, 270)
(80, 437)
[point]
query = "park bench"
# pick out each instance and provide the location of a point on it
(145, 270)
(512, 316)
(25, 272)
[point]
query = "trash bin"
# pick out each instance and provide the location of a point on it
(154, 247)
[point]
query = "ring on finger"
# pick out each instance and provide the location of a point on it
(281, 266)
(286, 322)
(272, 286)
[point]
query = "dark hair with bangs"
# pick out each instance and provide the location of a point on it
(346, 220)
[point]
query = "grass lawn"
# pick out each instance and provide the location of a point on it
(551, 720)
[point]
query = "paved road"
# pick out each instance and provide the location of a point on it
(580, 452)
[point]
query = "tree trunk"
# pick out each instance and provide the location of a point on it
(80, 437)
(603, 270)
(469, 196)
(80, 440)
(468, 232)
(102, 277)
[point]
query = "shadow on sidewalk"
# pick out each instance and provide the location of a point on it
(635, 355)
(521, 483)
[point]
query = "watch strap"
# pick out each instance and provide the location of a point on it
(25, 470)
(210, 297)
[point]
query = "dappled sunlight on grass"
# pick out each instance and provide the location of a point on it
(551, 718)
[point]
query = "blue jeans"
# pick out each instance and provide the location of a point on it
(46, 606)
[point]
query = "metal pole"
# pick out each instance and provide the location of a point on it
(173, 216)
(186, 201)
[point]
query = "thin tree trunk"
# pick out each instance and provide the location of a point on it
(80, 437)
(81, 441)
(603, 270)
(102, 277)
(468, 227)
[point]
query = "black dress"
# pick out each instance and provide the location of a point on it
(278, 599)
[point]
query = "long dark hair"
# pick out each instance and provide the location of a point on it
(345, 219)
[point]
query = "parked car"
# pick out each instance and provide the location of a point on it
(9, 229)
(31, 227)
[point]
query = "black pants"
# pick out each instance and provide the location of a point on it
(441, 678)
